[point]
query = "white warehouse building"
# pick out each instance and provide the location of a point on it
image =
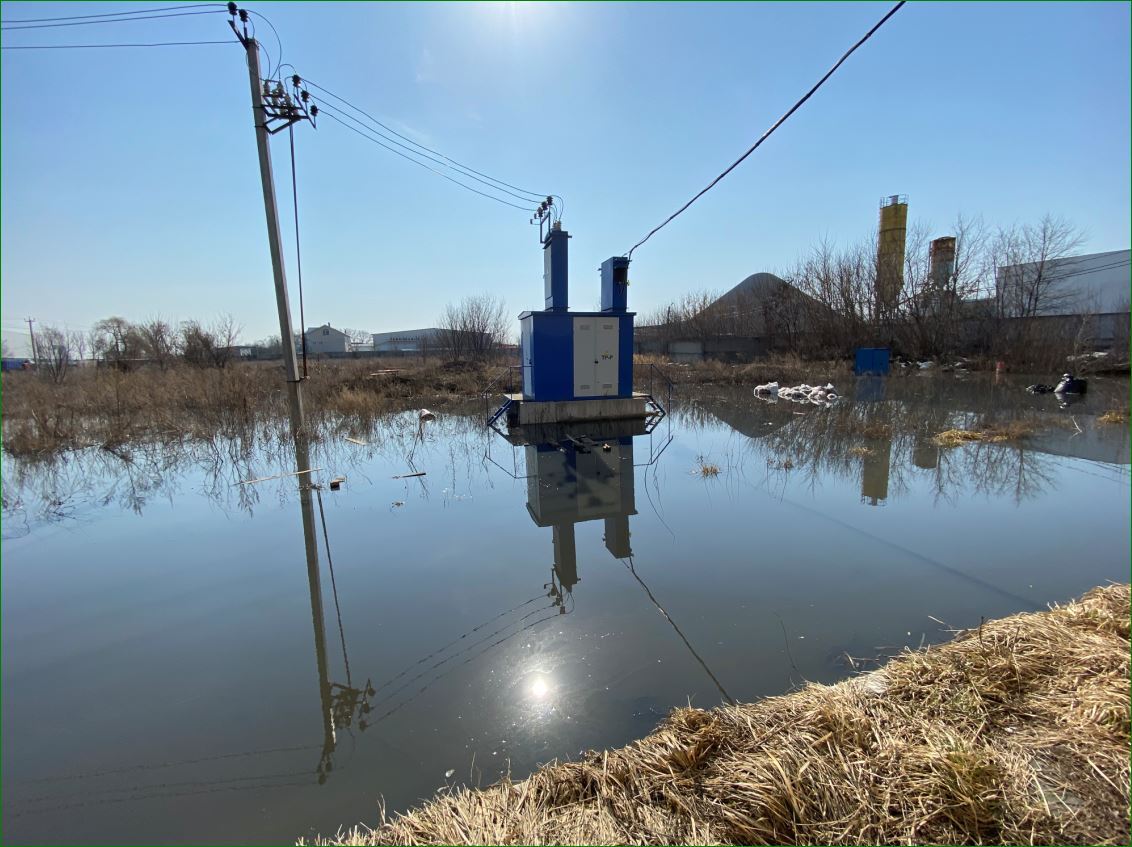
(1095, 287)
(408, 340)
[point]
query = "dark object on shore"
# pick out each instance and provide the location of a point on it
(1071, 385)
(1040, 388)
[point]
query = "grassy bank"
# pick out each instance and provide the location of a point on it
(1016, 732)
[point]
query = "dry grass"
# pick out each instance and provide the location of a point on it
(784, 368)
(995, 434)
(861, 451)
(705, 468)
(1115, 416)
(1016, 732)
(106, 406)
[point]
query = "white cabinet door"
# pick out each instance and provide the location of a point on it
(605, 356)
(585, 371)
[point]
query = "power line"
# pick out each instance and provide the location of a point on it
(768, 133)
(109, 14)
(430, 158)
(299, 263)
(113, 21)
(88, 46)
(537, 195)
(368, 137)
(278, 41)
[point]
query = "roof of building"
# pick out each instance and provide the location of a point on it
(426, 330)
(311, 329)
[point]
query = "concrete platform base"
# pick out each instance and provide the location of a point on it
(528, 412)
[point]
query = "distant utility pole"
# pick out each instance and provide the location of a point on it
(34, 349)
(273, 110)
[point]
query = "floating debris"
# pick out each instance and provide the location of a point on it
(410, 475)
(357, 441)
(277, 476)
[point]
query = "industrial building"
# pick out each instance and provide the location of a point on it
(891, 237)
(1087, 295)
(409, 341)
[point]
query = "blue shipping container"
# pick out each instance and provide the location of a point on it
(872, 360)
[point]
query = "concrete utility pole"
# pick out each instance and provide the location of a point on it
(267, 177)
(273, 110)
(31, 332)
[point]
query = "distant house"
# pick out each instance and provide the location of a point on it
(324, 339)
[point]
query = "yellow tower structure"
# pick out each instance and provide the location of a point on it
(890, 251)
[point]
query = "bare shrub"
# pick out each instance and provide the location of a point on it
(54, 353)
(473, 328)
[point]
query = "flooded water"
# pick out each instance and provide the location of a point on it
(173, 671)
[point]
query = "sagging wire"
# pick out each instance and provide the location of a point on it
(333, 585)
(531, 195)
(768, 133)
(298, 254)
(633, 570)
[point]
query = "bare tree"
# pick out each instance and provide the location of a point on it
(270, 346)
(1031, 268)
(78, 343)
(840, 295)
(474, 327)
(209, 346)
(358, 337)
(54, 353)
(226, 333)
(197, 344)
(117, 341)
(159, 341)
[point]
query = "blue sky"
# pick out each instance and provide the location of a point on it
(130, 183)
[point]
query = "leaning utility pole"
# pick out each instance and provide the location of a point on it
(273, 110)
(267, 177)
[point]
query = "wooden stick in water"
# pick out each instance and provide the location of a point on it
(277, 476)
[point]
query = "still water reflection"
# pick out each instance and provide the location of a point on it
(187, 658)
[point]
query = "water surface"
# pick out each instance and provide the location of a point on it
(173, 671)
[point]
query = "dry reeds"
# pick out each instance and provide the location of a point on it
(1115, 416)
(705, 468)
(995, 434)
(108, 406)
(783, 367)
(1016, 732)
